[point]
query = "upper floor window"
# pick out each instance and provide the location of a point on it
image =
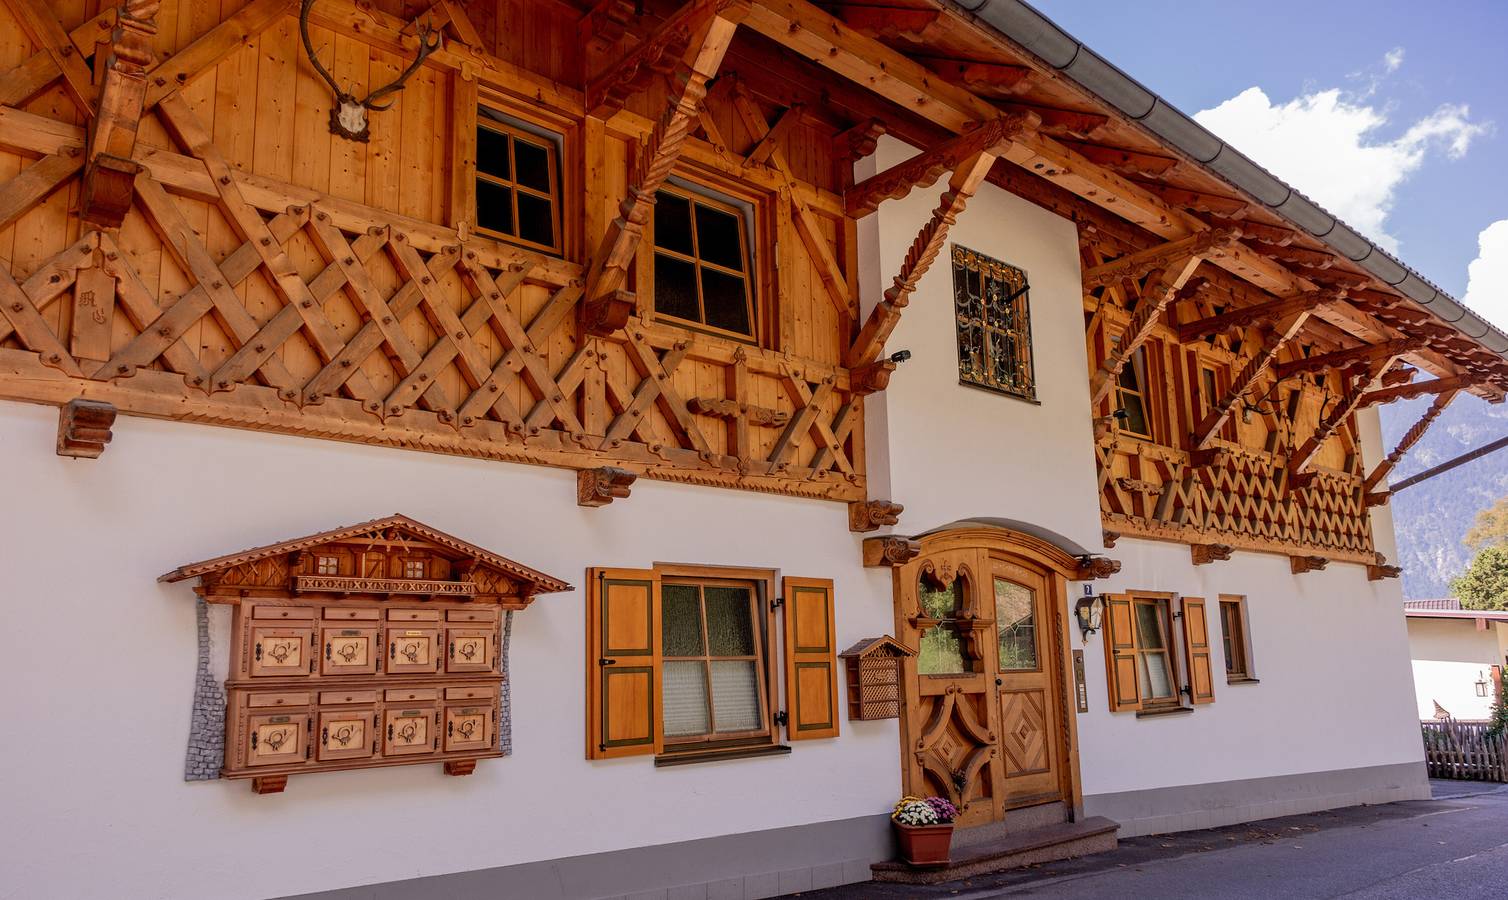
(413, 568)
(990, 304)
(327, 565)
(702, 272)
(517, 183)
(1131, 395)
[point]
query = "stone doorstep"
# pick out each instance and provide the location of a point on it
(1011, 851)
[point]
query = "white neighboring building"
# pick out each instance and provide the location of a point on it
(1458, 657)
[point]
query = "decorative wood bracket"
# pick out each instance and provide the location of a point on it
(1108, 538)
(1409, 439)
(731, 409)
(109, 171)
(1271, 311)
(1418, 389)
(1376, 498)
(657, 55)
(607, 314)
(1380, 569)
(871, 378)
(1142, 323)
(1401, 374)
(84, 428)
(890, 550)
(109, 183)
(1095, 567)
(923, 169)
(269, 784)
(1137, 486)
(1303, 564)
(1210, 458)
(603, 485)
(460, 766)
(870, 515)
(1204, 554)
(1280, 335)
(1342, 359)
(1171, 255)
(1299, 460)
(859, 141)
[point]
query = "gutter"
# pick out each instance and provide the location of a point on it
(1025, 26)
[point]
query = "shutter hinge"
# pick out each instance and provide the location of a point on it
(777, 603)
(781, 718)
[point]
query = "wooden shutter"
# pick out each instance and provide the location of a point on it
(1119, 628)
(1196, 651)
(623, 663)
(811, 663)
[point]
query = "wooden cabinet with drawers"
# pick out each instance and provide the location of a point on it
(376, 645)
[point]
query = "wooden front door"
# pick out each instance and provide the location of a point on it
(984, 723)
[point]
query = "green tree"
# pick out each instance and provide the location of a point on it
(1484, 584)
(1491, 526)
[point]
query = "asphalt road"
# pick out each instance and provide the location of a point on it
(1454, 846)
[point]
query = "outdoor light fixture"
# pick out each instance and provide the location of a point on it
(1481, 684)
(900, 356)
(1090, 610)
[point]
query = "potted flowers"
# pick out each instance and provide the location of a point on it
(924, 828)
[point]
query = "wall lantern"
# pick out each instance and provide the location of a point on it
(1481, 684)
(1090, 610)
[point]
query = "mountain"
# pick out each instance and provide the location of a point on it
(1433, 516)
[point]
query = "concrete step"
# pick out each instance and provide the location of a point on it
(1009, 851)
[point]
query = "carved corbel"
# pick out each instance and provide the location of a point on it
(269, 784)
(84, 428)
(1108, 538)
(871, 378)
(1137, 486)
(872, 514)
(719, 408)
(1303, 564)
(460, 767)
(1093, 567)
(608, 314)
(859, 141)
(603, 485)
(1380, 569)
(1204, 554)
(890, 550)
(1376, 498)
(1209, 458)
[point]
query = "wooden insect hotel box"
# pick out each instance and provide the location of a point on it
(874, 677)
(374, 645)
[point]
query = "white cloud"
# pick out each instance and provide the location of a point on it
(1487, 284)
(1327, 144)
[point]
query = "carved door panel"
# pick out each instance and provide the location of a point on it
(347, 650)
(346, 733)
(280, 651)
(413, 651)
(951, 743)
(468, 728)
(1026, 662)
(278, 738)
(408, 731)
(468, 649)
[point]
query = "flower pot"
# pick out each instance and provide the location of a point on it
(924, 845)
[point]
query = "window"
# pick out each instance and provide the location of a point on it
(683, 662)
(702, 274)
(1154, 659)
(1208, 395)
(413, 568)
(1016, 623)
(1131, 395)
(713, 676)
(517, 183)
(990, 304)
(1236, 638)
(942, 649)
(327, 565)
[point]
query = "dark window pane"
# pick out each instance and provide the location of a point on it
(673, 223)
(1149, 626)
(533, 165)
(727, 306)
(1136, 416)
(681, 620)
(730, 627)
(535, 219)
(492, 153)
(675, 288)
(717, 237)
(494, 207)
(1207, 378)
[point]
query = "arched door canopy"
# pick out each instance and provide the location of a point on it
(1064, 555)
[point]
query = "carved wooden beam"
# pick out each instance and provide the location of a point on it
(985, 79)
(1303, 564)
(1299, 460)
(603, 485)
(1142, 324)
(109, 170)
(1271, 311)
(1210, 204)
(1062, 123)
(1418, 389)
(871, 378)
(608, 313)
(870, 515)
(1095, 567)
(1379, 570)
(859, 141)
(889, 23)
(1173, 254)
(1344, 359)
(1137, 486)
(657, 55)
(923, 169)
(719, 19)
(1399, 374)
(1256, 231)
(1409, 439)
(1209, 458)
(1204, 554)
(890, 551)
(84, 428)
(924, 249)
(768, 144)
(40, 23)
(1126, 162)
(1313, 259)
(1275, 340)
(731, 409)
(604, 25)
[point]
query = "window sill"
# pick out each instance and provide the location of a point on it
(1163, 711)
(1243, 679)
(691, 757)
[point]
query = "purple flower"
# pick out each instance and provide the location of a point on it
(946, 812)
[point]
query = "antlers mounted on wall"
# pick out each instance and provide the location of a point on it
(348, 118)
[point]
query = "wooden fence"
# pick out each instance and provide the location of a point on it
(1464, 750)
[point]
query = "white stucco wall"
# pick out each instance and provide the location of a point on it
(98, 713)
(1449, 656)
(1330, 647)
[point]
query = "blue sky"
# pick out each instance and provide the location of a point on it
(1449, 84)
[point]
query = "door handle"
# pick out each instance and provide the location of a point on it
(999, 682)
(607, 662)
